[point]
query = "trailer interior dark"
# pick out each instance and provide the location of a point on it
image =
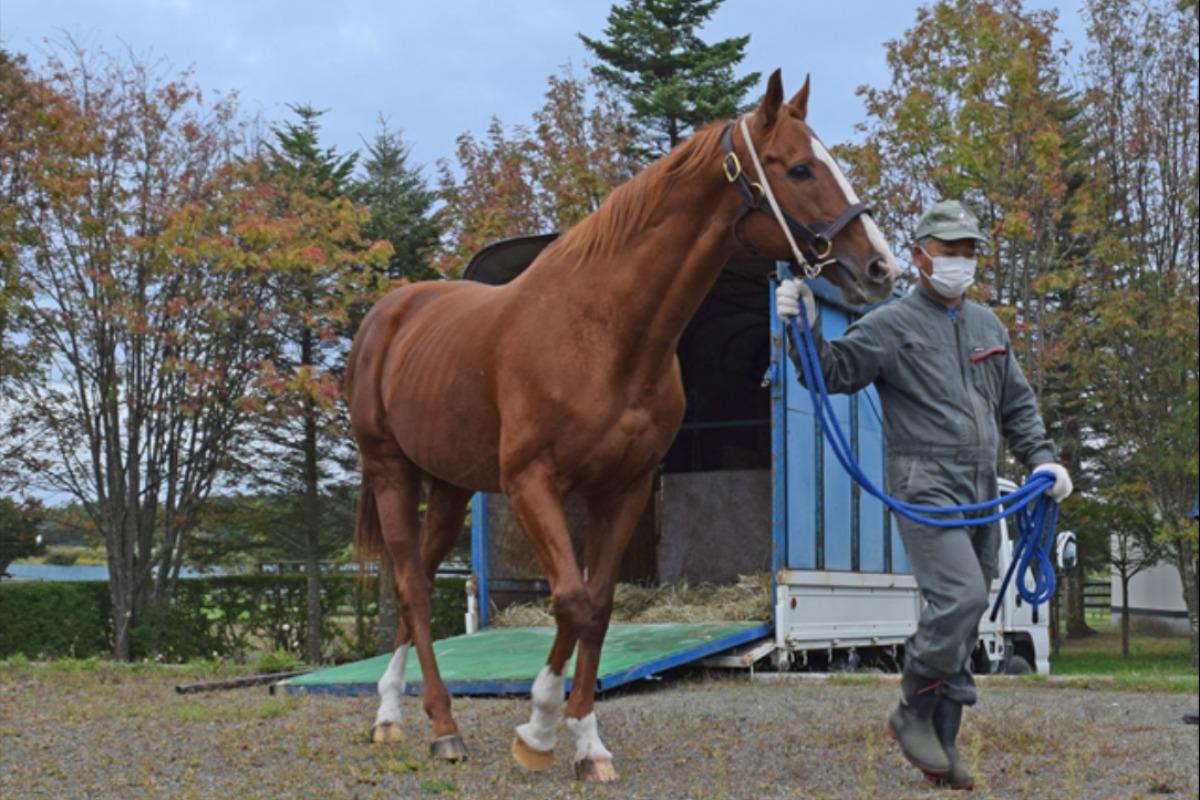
(709, 520)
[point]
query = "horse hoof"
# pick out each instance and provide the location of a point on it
(449, 748)
(600, 770)
(384, 732)
(527, 757)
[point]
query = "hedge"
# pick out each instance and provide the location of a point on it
(55, 620)
(227, 616)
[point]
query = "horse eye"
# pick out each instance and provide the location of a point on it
(800, 172)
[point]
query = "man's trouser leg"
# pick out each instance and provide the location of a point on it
(947, 569)
(958, 690)
(951, 581)
(968, 585)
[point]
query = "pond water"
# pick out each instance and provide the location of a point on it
(79, 572)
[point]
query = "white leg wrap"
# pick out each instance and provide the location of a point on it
(391, 687)
(541, 732)
(587, 739)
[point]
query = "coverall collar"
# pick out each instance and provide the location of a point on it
(937, 303)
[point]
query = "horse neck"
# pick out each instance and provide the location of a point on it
(643, 294)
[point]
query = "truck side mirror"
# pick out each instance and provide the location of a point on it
(1066, 551)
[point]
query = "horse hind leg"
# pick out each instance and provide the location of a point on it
(387, 516)
(387, 519)
(445, 512)
(395, 486)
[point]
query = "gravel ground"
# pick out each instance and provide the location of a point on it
(111, 732)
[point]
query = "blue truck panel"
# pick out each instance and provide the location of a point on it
(839, 527)
(872, 522)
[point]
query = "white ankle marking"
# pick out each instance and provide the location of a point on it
(391, 687)
(587, 739)
(541, 732)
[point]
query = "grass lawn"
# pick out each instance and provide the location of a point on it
(1159, 662)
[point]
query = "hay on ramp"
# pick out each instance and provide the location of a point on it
(748, 600)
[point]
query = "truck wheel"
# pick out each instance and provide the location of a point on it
(1017, 665)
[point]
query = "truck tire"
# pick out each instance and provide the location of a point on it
(1017, 665)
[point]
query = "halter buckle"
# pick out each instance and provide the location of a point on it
(732, 167)
(823, 254)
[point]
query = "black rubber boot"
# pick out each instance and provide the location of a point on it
(911, 725)
(947, 718)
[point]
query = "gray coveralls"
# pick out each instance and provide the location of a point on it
(949, 386)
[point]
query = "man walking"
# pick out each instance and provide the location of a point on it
(950, 387)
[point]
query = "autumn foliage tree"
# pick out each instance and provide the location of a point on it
(141, 353)
(284, 214)
(1085, 192)
(1088, 192)
(25, 104)
(977, 110)
(304, 234)
(179, 293)
(540, 177)
(1136, 347)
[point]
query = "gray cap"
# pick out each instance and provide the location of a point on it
(949, 220)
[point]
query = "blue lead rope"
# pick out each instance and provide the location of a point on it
(1036, 513)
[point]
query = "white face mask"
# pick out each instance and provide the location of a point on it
(952, 275)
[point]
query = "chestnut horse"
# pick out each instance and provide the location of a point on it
(566, 380)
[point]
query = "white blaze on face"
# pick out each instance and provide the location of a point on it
(874, 235)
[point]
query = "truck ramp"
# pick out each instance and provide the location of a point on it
(505, 661)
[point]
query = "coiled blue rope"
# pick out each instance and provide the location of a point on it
(1035, 512)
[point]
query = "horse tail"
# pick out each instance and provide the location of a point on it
(368, 533)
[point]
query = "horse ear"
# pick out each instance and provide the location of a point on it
(800, 101)
(771, 100)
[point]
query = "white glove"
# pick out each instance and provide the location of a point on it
(787, 300)
(1062, 487)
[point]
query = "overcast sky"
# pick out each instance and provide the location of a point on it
(438, 68)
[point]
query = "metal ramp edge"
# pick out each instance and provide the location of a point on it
(505, 661)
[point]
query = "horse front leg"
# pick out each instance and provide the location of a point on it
(611, 522)
(538, 509)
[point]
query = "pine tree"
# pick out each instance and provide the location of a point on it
(298, 155)
(316, 291)
(673, 81)
(400, 206)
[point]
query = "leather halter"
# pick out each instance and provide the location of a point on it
(819, 242)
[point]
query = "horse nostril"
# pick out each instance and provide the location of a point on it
(877, 270)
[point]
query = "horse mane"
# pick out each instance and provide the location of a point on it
(631, 204)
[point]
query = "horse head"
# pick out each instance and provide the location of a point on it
(811, 213)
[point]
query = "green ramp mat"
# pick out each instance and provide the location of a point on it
(506, 660)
